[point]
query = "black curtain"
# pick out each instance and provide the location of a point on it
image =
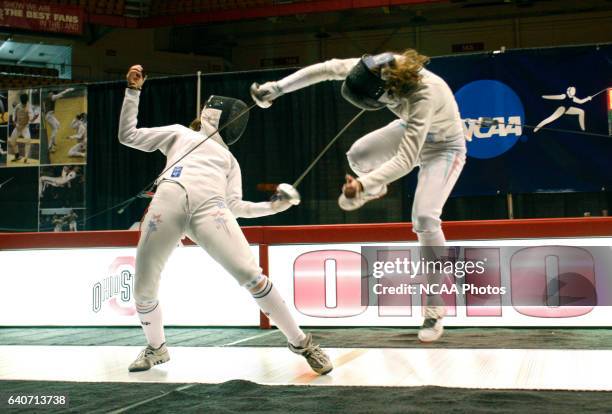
(277, 147)
(116, 172)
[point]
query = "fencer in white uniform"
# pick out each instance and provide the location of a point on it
(79, 124)
(201, 195)
(22, 116)
(428, 133)
(68, 174)
(50, 118)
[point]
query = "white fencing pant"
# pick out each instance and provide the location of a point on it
(213, 227)
(12, 141)
(372, 150)
(438, 172)
(53, 122)
(78, 150)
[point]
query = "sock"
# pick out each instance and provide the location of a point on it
(273, 305)
(432, 247)
(151, 320)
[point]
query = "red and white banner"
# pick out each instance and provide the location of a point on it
(39, 17)
(87, 278)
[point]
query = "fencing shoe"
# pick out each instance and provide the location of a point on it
(315, 356)
(351, 204)
(432, 328)
(149, 357)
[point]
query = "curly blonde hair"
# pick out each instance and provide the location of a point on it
(196, 124)
(403, 75)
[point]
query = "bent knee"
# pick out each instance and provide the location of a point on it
(145, 290)
(259, 287)
(358, 162)
(146, 306)
(424, 223)
(256, 284)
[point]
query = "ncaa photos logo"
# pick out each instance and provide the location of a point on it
(492, 115)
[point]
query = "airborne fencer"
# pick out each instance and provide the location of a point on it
(199, 194)
(428, 133)
(68, 174)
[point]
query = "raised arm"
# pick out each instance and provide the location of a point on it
(248, 209)
(145, 139)
(334, 69)
(417, 124)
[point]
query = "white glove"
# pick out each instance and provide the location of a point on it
(263, 95)
(279, 205)
(285, 197)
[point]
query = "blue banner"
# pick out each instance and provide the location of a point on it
(537, 119)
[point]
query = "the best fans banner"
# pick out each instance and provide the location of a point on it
(40, 17)
(537, 119)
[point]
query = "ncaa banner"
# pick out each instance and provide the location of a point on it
(535, 120)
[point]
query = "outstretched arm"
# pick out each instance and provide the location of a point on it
(554, 97)
(334, 69)
(248, 209)
(145, 139)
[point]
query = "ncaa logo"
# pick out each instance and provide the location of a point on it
(492, 115)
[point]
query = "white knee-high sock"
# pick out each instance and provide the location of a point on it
(273, 305)
(151, 320)
(432, 247)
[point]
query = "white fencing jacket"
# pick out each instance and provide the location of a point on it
(208, 173)
(431, 115)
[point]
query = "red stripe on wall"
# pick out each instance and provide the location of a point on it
(338, 233)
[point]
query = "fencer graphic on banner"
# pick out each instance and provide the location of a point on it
(569, 105)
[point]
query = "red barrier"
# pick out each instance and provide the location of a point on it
(340, 233)
(337, 233)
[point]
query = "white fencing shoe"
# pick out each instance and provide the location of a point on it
(149, 357)
(351, 204)
(315, 356)
(433, 327)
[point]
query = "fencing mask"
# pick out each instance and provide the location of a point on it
(219, 110)
(364, 86)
